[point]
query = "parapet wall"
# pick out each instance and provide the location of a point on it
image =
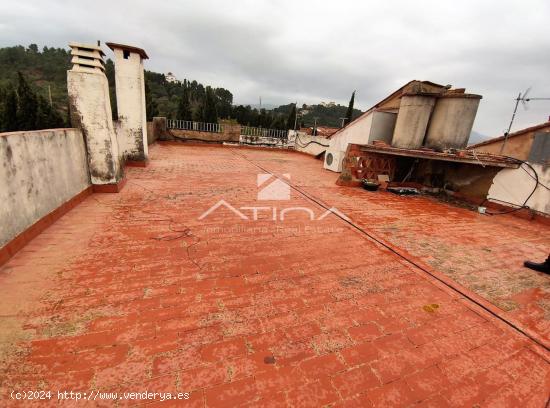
(230, 133)
(39, 172)
(313, 145)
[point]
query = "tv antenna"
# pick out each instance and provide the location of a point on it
(524, 100)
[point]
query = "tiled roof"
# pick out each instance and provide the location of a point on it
(545, 125)
(134, 292)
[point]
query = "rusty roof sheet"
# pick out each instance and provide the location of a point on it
(460, 156)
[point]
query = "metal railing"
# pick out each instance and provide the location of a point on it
(197, 126)
(264, 132)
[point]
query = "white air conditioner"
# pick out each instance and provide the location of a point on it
(333, 160)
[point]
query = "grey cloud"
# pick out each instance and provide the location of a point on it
(311, 51)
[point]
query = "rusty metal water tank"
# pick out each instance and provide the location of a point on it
(451, 121)
(412, 120)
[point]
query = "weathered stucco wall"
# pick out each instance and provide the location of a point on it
(39, 171)
(372, 126)
(356, 132)
(515, 185)
(91, 112)
(231, 133)
(151, 135)
(197, 136)
(383, 125)
(130, 96)
(516, 146)
(469, 180)
(412, 121)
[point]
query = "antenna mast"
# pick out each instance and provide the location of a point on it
(523, 99)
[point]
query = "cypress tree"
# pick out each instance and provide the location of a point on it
(210, 114)
(9, 117)
(151, 107)
(291, 117)
(184, 106)
(27, 108)
(110, 74)
(349, 113)
(46, 116)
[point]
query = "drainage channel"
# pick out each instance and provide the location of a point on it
(405, 258)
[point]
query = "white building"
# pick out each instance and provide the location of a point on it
(171, 78)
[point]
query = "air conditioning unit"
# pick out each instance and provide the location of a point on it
(333, 160)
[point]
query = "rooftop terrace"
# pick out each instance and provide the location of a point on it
(410, 301)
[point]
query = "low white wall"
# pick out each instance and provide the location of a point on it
(91, 112)
(515, 185)
(374, 125)
(357, 132)
(39, 171)
(311, 144)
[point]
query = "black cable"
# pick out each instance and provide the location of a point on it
(394, 251)
(524, 205)
(530, 175)
(304, 145)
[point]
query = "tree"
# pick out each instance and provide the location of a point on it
(27, 108)
(9, 114)
(291, 121)
(110, 74)
(224, 101)
(279, 122)
(209, 112)
(151, 107)
(46, 116)
(349, 113)
(184, 106)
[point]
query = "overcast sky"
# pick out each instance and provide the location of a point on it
(313, 51)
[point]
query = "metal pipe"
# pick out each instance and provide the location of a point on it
(510, 126)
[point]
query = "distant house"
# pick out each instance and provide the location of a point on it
(171, 78)
(532, 144)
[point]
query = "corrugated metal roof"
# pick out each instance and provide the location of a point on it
(461, 156)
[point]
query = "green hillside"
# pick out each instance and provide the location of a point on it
(46, 72)
(326, 115)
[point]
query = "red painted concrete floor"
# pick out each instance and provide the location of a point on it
(132, 292)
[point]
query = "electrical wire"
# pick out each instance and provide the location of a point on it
(303, 145)
(530, 175)
(524, 205)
